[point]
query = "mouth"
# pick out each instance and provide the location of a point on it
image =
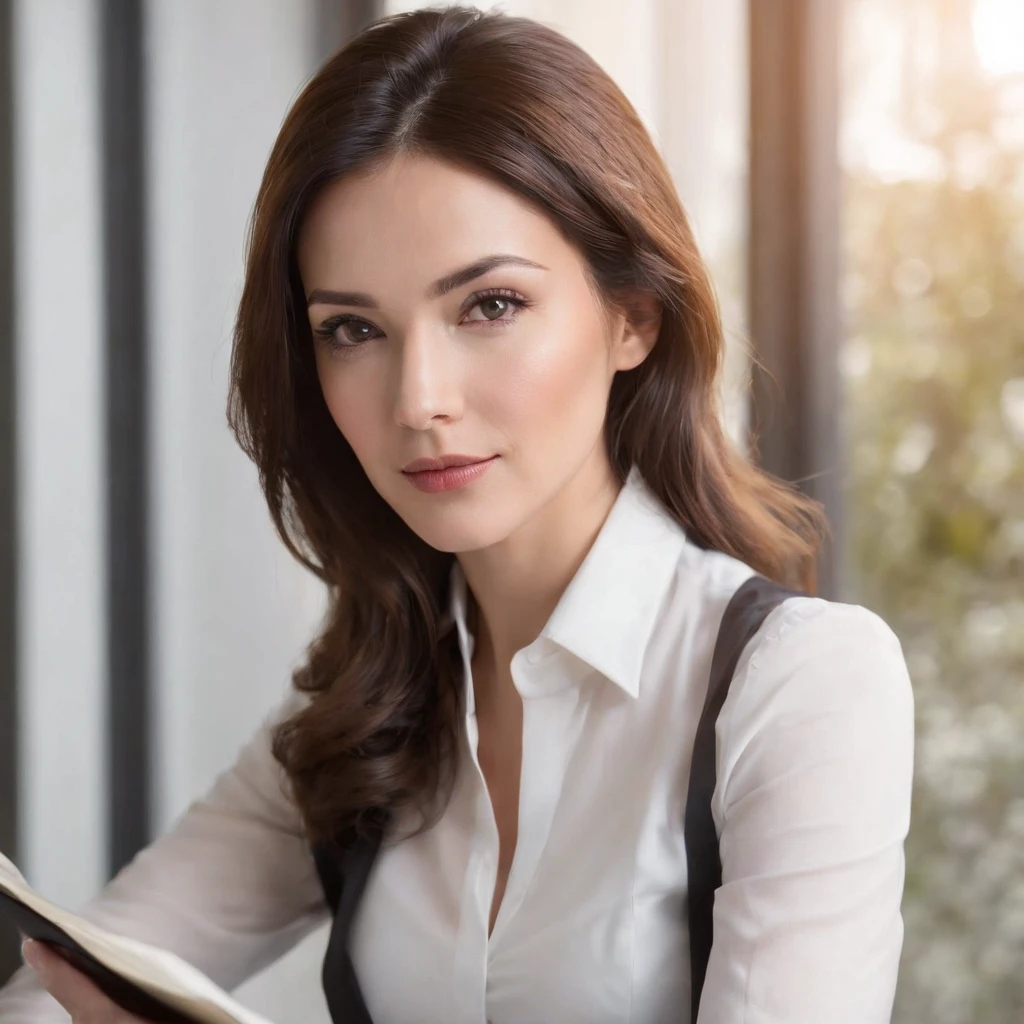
(445, 462)
(448, 473)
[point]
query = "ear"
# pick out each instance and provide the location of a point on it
(636, 328)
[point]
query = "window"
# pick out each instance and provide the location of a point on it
(933, 377)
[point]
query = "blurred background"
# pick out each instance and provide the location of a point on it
(854, 170)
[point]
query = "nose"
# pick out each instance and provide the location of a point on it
(428, 390)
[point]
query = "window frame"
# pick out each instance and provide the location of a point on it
(794, 255)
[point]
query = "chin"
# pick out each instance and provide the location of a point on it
(458, 531)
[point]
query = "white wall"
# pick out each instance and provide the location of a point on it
(703, 128)
(61, 727)
(233, 611)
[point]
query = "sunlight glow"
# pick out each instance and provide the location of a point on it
(999, 35)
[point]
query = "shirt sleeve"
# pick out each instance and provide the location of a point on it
(230, 889)
(816, 750)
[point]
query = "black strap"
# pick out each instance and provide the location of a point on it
(327, 867)
(744, 615)
(344, 869)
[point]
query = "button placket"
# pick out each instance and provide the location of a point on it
(470, 975)
(472, 942)
(547, 741)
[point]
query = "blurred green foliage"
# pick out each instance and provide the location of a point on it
(934, 377)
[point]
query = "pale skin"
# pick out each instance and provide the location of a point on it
(415, 373)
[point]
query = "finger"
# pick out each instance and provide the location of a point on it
(72, 989)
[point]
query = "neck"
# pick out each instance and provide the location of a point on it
(516, 584)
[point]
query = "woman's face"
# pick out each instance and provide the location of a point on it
(451, 318)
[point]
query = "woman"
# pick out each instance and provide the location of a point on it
(476, 363)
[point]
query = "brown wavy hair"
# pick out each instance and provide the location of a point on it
(519, 103)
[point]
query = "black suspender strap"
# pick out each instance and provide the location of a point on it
(329, 870)
(744, 615)
(344, 870)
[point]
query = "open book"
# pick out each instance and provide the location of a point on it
(143, 979)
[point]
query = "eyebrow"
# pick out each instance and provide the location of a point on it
(442, 286)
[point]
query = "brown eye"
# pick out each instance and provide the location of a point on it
(494, 307)
(358, 330)
(346, 332)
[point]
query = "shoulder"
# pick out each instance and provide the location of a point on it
(817, 670)
(813, 620)
(821, 683)
(837, 650)
(843, 650)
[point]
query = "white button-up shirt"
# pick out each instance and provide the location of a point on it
(812, 806)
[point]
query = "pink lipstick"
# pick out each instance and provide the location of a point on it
(447, 473)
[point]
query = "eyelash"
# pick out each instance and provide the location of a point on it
(328, 329)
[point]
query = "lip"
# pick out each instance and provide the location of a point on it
(449, 473)
(444, 462)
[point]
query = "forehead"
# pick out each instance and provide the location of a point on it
(416, 218)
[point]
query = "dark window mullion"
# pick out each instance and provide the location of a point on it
(10, 957)
(795, 318)
(127, 427)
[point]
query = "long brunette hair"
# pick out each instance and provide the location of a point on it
(513, 100)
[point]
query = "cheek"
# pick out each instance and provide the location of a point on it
(354, 402)
(557, 380)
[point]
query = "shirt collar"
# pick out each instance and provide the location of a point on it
(607, 614)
